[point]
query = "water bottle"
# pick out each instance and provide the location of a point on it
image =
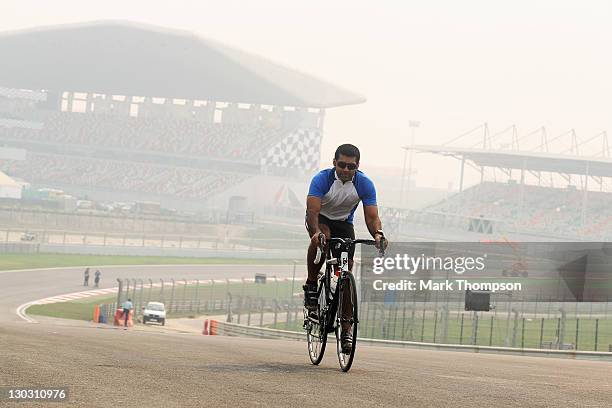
(333, 281)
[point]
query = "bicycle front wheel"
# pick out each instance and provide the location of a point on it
(316, 333)
(347, 299)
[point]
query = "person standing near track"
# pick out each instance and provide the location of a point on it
(97, 278)
(333, 197)
(86, 277)
(127, 308)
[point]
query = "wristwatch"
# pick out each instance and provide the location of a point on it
(380, 232)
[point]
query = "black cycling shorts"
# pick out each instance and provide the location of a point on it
(337, 229)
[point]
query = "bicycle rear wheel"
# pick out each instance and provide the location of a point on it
(350, 290)
(316, 335)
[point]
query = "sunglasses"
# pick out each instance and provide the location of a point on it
(344, 165)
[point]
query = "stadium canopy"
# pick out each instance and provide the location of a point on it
(124, 58)
(530, 161)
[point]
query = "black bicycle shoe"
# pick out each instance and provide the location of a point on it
(310, 296)
(346, 341)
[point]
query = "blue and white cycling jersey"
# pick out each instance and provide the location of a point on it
(340, 200)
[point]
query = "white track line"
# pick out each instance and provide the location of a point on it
(21, 312)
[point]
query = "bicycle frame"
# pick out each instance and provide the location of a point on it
(331, 295)
(331, 298)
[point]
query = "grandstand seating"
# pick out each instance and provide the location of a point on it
(121, 176)
(543, 209)
(188, 137)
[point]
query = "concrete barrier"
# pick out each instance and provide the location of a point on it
(233, 329)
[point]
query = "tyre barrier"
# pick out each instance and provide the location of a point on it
(210, 327)
(119, 319)
(96, 315)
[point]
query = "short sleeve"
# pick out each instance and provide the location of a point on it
(367, 192)
(319, 185)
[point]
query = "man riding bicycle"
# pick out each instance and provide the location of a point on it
(333, 197)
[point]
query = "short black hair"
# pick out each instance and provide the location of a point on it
(347, 150)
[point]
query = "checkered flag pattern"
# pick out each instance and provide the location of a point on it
(300, 149)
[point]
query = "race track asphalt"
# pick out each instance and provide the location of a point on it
(157, 367)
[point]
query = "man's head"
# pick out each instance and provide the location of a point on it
(346, 161)
(129, 300)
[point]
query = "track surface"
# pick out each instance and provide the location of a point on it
(156, 367)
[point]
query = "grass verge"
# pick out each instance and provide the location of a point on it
(188, 299)
(32, 261)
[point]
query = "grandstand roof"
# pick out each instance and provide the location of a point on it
(124, 58)
(555, 163)
(6, 181)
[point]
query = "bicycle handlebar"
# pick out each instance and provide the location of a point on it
(347, 241)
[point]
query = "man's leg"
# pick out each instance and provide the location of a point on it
(313, 269)
(310, 288)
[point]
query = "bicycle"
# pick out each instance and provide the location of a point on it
(331, 289)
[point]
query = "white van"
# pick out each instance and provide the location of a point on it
(154, 312)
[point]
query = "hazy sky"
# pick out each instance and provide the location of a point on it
(452, 65)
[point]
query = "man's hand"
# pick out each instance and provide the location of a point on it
(318, 240)
(315, 240)
(380, 238)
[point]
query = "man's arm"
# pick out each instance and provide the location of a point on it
(313, 208)
(371, 218)
(374, 224)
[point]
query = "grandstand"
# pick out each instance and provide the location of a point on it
(129, 112)
(535, 194)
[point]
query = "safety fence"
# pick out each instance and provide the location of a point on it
(146, 240)
(437, 318)
(277, 303)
